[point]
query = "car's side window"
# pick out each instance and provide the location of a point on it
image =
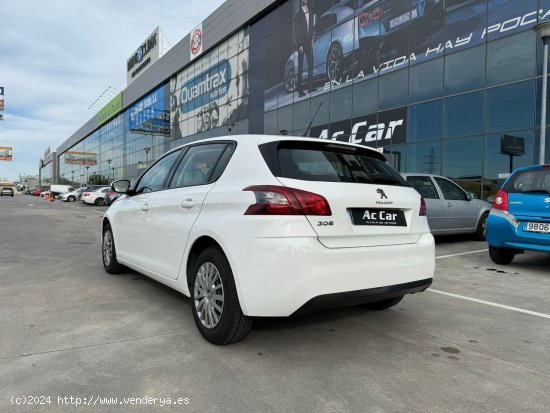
(197, 165)
(424, 186)
(451, 191)
(153, 180)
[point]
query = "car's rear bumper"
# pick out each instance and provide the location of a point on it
(281, 276)
(504, 231)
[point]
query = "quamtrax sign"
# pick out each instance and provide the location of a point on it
(109, 110)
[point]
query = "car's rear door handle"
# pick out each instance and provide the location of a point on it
(145, 207)
(188, 203)
(449, 205)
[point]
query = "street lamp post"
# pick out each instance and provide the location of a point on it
(543, 31)
(146, 155)
(87, 176)
(108, 173)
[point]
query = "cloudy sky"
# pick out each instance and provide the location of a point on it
(58, 56)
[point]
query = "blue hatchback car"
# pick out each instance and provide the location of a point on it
(520, 217)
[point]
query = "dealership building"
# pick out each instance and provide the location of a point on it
(450, 87)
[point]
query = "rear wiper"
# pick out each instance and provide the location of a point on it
(536, 191)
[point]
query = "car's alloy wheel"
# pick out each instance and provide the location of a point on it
(208, 295)
(215, 303)
(71, 199)
(108, 251)
(290, 77)
(334, 62)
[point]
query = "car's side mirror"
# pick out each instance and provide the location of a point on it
(470, 195)
(122, 186)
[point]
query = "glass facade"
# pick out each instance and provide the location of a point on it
(440, 86)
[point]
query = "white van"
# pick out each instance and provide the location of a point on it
(60, 189)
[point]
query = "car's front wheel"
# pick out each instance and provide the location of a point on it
(71, 199)
(383, 304)
(501, 256)
(108, 252)
(216, 308)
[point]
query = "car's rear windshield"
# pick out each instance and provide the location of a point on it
(328, 162)
(529, 182)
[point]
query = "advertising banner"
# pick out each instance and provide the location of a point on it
(6, 153)
(213, 91)
(149, 115)
(109, 110)
(145, 55)
(1, 103)
(195, 42)
(323, 45)
(80, 158)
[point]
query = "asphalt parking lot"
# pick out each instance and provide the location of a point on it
(478, 340)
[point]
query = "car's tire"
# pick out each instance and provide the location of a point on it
(290, 77)
(335, 60)
(481, 230)
(71, 199)
(218, 316)
(108, 252)
(98, 202)
(501, 256)
(383, 304)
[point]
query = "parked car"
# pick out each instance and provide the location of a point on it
(72, 196)
(95, 197)
(308, 224)
(520, 218)
(450, 209)
(7, 192)
(111, 197)
(57, 190)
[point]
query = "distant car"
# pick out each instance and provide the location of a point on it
(36, 192)
(520, 217)
(72, 196)
(96, 197)
(111, 197)
(450, 209)
(7, 192)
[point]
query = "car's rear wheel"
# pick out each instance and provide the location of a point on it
(335, 60)
(481, 230)
(290, 77)
(71, 199)
(108, 252)
(501, 256)
(383, 304)
(216, 308)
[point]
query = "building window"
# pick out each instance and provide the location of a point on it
(463, 158)
(424, 158)
(510, 107)
(394, 90)
(464, 115)
(426, 81)
(465, 71)
(425, 121)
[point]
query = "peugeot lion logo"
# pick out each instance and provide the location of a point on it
(382, 193)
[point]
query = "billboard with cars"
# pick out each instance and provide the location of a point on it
(6, 153)
(324, 45)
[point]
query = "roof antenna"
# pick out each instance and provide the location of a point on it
(312, 119)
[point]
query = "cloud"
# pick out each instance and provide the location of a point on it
(58, 56)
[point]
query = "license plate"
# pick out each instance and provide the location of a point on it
(404, 18)
(537, 227)
(375, 216)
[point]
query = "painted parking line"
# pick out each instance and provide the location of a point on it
(461, 253)
(475, 300)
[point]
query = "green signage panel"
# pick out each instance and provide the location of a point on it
(109, 110)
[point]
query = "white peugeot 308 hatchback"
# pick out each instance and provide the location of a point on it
(269, 226)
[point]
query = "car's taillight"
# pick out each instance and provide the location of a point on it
(280, 200)
(422, 211)
(86, 194)
(501, 200)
